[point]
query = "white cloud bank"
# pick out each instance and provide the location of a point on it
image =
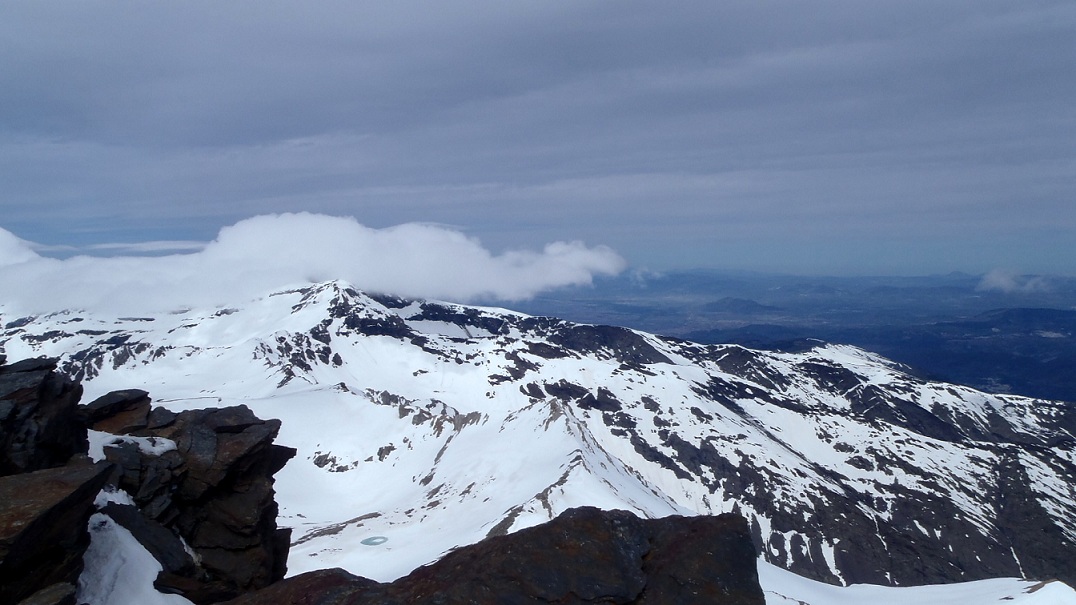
(1010, 282)
(264, 253)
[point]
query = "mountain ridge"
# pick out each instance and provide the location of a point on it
(850, 470)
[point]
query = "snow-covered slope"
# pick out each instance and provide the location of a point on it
(786, 588)
(434, 425)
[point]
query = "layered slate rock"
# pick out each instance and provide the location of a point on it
(39, 426)
(215, 490)
(55, 594)
(583, 556)
(118, 412)
(201, 477)
(43, 535)
(46, 488)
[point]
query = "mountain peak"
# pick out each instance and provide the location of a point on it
(435, 424)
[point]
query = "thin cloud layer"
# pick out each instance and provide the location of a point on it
(1011, 282)
(260, 254)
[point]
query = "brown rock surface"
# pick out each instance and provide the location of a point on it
(43, 535)
(62, 593)
(39, 426)
(583, 556)
(118, 412)
(216, 491)
(321, 587)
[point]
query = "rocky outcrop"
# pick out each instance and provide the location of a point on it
(43, 517)
(118, 412)
(201, 482)
(39, 426)
(583, 556)
(215, 489)
(55, 594)
(46, 488)
(322, 587)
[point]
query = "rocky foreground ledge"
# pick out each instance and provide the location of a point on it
(195, 489)
(585, 555)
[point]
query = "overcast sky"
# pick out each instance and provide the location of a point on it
(806, 136)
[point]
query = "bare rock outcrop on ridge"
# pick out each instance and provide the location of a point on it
(585, 555)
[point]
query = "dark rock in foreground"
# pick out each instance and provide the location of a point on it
(118, 412)
(43, 535)
(202, 481)
(215, 490)
(583, 556)
(56, 594)
(39, 426)
(321, 587)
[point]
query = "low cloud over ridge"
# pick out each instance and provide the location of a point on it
(1010, 282)
(257, 255)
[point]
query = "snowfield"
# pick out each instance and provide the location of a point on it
(435, 425)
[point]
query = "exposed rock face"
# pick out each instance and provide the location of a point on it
(39, 427)
(322, 587)
(43, 516)
(583, 556)
(44, 506)
(212, 490)
(216, 491)
(56, 594)
(225, 502)
(118, 412)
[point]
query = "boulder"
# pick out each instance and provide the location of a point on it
(322, 587)
(700, 560)
(150, 479)
(213, 490)
(43, 521)
(585, 555)
(118, 412)
(39, 426)
(216, 491)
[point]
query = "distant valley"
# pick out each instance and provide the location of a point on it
(949, 327)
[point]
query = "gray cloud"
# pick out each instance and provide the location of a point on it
(823, 136)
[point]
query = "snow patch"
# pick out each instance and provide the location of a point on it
(786, 588)
(151, 446)
(118, 570)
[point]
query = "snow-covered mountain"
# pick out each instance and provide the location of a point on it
(424, 426)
